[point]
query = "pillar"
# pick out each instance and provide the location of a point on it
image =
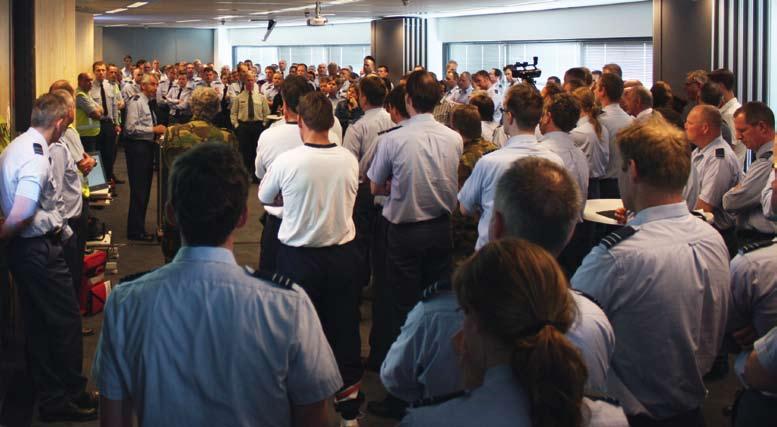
(399, 43)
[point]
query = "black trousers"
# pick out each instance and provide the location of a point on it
(163, 114)
(247, 137)
(269, 244)
(692, 418)
(90, 144)
(363, 216)
(140, 171)
(327, 275)
(608, 188)
(107, 146)
(418, 254)
(74, 254)
(52, 319)
(382, 332)
(752, 408)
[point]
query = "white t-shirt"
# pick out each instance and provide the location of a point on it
(318, 185)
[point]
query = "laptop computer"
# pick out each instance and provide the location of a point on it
(96, 177)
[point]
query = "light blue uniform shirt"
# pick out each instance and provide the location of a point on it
(360, 137)
(501, 401)
(717, 167)
(140, 123)
(477, 194)
(111, 99)
(422, 362)
(422, 159)
(25, 170)
(496, 97)
(563, 145)
(766, 350)
(766, 199)
(614, 119)
(754, 290)
(200, 342)
(595, 148)
(459, 96)
(67, 180)
(745, 200)
(647, 285)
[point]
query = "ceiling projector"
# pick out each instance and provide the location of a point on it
(317, 21)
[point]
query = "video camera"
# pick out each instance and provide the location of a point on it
(527, 72)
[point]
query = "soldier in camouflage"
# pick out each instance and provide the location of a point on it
(465, 120)
(178, 139)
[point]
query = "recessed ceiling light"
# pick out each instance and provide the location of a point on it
(121, 9)
(189, 20)
(137, 4)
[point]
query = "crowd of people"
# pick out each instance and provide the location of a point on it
(459, 201)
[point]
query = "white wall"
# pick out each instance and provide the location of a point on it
(84, 41)
(288, 36)
(611, 21)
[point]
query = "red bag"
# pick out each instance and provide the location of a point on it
(93, 273)
(95, 299)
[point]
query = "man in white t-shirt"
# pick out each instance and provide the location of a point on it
(317, 184)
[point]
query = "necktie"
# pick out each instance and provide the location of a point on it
(169, 88)
(180, 89)
(105, 103)
(250, 106)
(152, 108)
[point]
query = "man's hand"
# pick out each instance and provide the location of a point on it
(745, 337)
(622, 215)
(159, 129)
(117, 128)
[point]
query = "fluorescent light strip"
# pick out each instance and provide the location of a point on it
(152, 23)
(189, 20)
(121, 9)
(117, 25)
(137, 4)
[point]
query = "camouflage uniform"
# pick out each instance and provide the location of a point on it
(465, 228)
(178, 139)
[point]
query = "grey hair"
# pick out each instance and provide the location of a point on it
(47, 109)
(147, 78)
(66, 97)
(539, 201)
(204, 103)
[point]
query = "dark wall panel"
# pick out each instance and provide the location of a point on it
(166, 44)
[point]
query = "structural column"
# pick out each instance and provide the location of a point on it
(400, 44)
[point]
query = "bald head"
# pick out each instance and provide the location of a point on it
(638, 99)
(85, 81)
(703, 125)
(62, 85)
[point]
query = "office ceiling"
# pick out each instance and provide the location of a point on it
(248, 13)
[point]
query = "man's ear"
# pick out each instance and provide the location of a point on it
(496, 228)
(243, 219)
(633, 173)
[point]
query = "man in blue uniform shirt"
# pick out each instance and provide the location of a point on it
(416, 167)
(268, 363)
(647, 274)
(35, 230)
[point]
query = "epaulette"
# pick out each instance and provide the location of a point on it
(389, 130)
(37, 148)
(436, 400)
(279, 279)
(598, 397)
(766, 155)
(699, 215)
(436, 288)
(588, 297)
(720, 153)
(131, 277)
(609, 241)
(750, 247)
(135, 97)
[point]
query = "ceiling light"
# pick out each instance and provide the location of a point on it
(97, 14)
(152, 23)
(226, 17)
(189, 20)
(117, 25)
(121, 9)
(137, 4)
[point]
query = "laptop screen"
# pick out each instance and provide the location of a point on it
(96, 177)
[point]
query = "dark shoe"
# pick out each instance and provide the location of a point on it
(87, 332)
(390, 407)
(88, 400)
(142, 237)
(70, 412)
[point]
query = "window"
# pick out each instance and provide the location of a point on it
(634, 56)
(343, 55)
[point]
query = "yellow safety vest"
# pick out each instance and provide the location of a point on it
(85, 125)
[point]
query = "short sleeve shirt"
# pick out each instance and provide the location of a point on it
(766, 349)
(201, 342)
(754, 290)
(718, 171)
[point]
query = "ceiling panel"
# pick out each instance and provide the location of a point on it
(244, 13)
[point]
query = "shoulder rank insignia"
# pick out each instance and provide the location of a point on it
(602, 398)
(699, 215)
(435, 288)
(38, 149)
(276, 278)
(436, 400)
(588, 297)
(609, 241)
(766, 155)
(720, 153)
(135, 97)
(389, 130)
(750, 247)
